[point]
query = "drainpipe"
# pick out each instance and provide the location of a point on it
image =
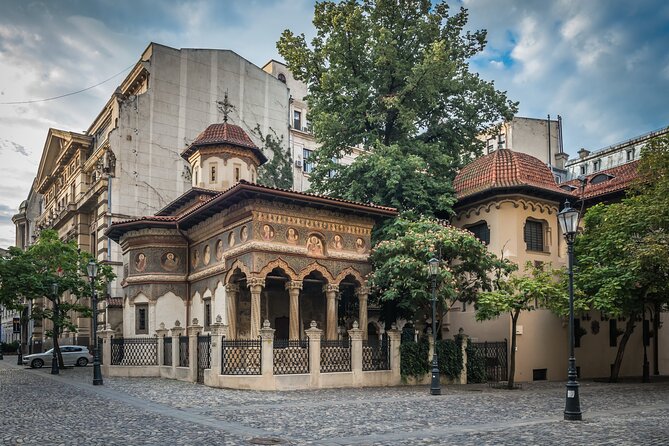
(187, 261)
(550, 163)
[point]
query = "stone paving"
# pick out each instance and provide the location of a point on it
(38, 408)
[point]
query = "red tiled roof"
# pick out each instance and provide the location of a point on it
(503, 169)
(150, 218)
(115, 302)
(621, 178)
(224, 133)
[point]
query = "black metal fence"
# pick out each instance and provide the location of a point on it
(376, 354)
(336, 356)
(167, 350)
(492, 356)
(291, 356)
(134, 351)
(183, 351)
(100, 355)
(203, 356)
(241, 357)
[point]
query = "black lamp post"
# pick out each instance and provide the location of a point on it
(54, 356)
(568, 218)
(435, 386)
(92, 268)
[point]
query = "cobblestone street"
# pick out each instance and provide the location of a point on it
(38, 408)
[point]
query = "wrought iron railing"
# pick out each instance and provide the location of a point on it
(167, 350)
(134, 351)
(336, 356)
(493, 357)
(291, 356)
(241, 357)
(203, 356)
(376, 354)
(183, 351)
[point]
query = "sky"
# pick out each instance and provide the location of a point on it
(603, 65)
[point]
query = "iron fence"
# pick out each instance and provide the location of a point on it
(100, 355)
(167, 350)
(241, 357)
(134, 351)
(291, 356)
(183, 351)
(492, 356)
(376, 354)
(203, 356)
(336, 356)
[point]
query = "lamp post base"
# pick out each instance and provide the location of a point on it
(97, 375)
(435, 386)
(572, 408)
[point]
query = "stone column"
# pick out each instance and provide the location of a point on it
(218, 332)
(106, 336)
(255, 284)
(294, 288)
(314, 335)
(267, 351)
(394, 337)
(356, 354)
(161, 333)
(363, 294)
(331, 315)
(193, 330)
(231, 294)
(177, 331)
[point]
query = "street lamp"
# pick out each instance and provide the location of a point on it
(54, 356)
(92, 268)
(568, 218)
(433, 268)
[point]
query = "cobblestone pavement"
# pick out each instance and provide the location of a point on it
(38, 408)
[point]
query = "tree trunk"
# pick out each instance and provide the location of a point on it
(656, 337)
(629, 328)
(512, 359)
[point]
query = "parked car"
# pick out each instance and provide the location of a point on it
(72, 355)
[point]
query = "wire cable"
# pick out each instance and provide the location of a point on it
(68, 94)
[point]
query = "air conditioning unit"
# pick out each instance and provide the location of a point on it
(298, 164)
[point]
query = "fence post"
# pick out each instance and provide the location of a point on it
(314, 335)
(106, 336)
(193, 331)
(161, 333)
(464, 341)
(218, 332)
(395, 337)
(356, 353)
(177, 331)
(267, 350)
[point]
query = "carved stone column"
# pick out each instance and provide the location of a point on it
(363, 293)
(394, 336)
(231, 293)
(256, 285)
(331, 291)
(294, 288)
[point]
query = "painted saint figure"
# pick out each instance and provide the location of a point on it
(314, 246)
(267, 232)
(219, 250)
(140, 262)
(338, 243)
(291, 236)
(169, 261)
(244, 234)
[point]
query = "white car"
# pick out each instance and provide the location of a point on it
(72, 355)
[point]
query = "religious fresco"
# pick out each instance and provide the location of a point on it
(267, 232)
(292, 236)
(169, 261)
(140, 262)
(207, 255)
(219, 250)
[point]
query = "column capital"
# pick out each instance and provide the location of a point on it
(330, 288)
(255, 282)
(232, 288)
(362, 291)
(294, 285)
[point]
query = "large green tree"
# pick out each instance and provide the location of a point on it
(623, 252)
(31, 274)
(401, 279)
(278, 170)
(393, 78)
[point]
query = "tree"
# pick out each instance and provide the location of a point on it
(31, 274)
(400, 274)
(393, 78)
(623, 253)
(517, 293)
(278, 171)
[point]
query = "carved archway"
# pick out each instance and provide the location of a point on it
(315, 266)
(278, 263)
(237, 265)
(350, 271)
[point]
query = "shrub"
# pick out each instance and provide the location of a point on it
(414, 358)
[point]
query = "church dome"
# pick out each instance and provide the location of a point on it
(505, 170)
(224, 134)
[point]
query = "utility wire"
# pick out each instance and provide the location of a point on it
(68, 94)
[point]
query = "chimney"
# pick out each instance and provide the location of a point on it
(583, 153)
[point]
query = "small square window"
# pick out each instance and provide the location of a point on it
(207, 314)
(630, 155)
(141, 319)
(596, 165)
(308, 164)
(213, 174)
(297, 120)
(534, 235)
(584, 169)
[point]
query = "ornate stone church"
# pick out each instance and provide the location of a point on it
(232, 248)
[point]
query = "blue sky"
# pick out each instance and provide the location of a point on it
(603, 65)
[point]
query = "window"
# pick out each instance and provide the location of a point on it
(212, 177)
(282, 77)
(141, 319)
(600, 178)
(596, 165)
(501, 140)
(333, 172)
(584, 169)
(308, 164)
(630, 155)
(297, 120)
(480, 231)
(491, 145)
(534, 235)
(238, 173)
(207, 314)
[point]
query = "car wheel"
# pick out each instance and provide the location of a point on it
(82, 362)
(36, 363)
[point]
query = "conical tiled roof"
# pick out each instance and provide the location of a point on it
(223, 133)
(504, 169)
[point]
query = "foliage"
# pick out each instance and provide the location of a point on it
(278, 170)
(400, 274)
(414, 358)
(449, 356)
(623, 252)
(393, 80)
(476, 371)
(515, 293)
(9, 347)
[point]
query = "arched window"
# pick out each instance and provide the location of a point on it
(534, 235)
(282, 77)
(481, 231)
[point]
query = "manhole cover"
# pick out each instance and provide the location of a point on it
(259, 440)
